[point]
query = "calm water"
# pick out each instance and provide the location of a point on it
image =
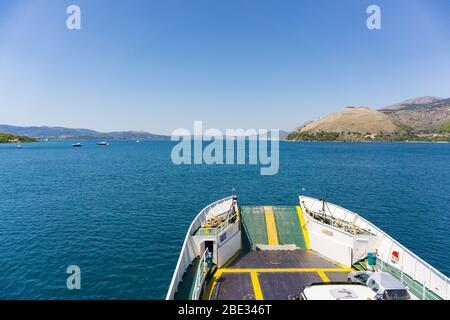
(121, 212)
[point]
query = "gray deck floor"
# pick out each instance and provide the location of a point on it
(276, 275)
(234, 286)
(281, 259)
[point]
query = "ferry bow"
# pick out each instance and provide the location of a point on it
(275, 252)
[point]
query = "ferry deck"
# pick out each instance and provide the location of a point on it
(274, 252)
(254, 274)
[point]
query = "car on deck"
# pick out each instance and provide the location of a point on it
(385, 285)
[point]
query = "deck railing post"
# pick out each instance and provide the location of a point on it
(446, 289)
(423, 290)
(415, 269)
(429, 279)
(401, 274)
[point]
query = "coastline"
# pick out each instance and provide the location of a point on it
(443, 142)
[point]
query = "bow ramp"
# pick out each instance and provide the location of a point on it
(273, 226)
(274, 262)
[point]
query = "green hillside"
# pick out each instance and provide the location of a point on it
(12, 138)
(445, 127)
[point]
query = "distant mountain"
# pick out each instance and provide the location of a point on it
(61, 133)
(349, 124)
(420, 114)
(283, 134)
(304, 124)
(354, 119)
(413, 103)
(418, 119)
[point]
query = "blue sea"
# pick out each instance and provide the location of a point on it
(121, 212)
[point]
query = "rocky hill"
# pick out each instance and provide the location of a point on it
(420, 114)
(418, 119)
(411, 103)
(349, 124)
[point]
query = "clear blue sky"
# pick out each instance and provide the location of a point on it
(160, 65)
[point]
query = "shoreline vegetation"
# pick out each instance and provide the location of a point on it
(6, 138)
(14, 138)
(422, 120)
(432, 137)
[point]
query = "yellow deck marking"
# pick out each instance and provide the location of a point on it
(350, 269)
(271, 226)
(210, 288)
(254, 275)
(256, 286)
(323, 276)
(274, 270)
(303, 226)
(344, 267)
(227, 264)
(272, 236)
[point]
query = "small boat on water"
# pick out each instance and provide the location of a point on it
(103, 143)
(77, 145)
(137, 141)
(19, 146)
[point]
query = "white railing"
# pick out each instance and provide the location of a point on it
(328, 219)
(189, 252)
(410, 264)
(200, 276)
(230, 214)
(419, 290)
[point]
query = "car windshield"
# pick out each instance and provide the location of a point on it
(398, 294)
(363, 277)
